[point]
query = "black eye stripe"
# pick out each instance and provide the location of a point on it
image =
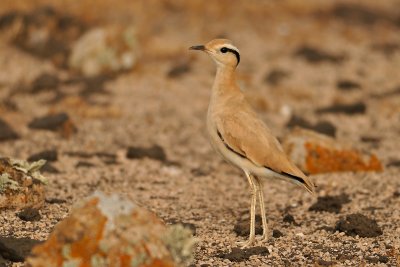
(236, 53)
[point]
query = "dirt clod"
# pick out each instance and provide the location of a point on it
(16, 249)
(323, 127)
(6, 132)
(350, 109)
(347, 85)
(29, 214)
(238, 254)
(48, 155)
(315, 55)
(155, 152)
(358, 224)
(276, 233)
(330, 203)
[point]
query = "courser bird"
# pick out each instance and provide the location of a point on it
(240, 137)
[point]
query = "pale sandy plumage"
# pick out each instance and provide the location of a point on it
(240, 136)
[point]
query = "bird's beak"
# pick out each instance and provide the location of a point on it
(198, 47)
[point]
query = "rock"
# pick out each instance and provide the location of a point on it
(21, 184)
(84, 164)
(54, 200)
(109, 231)
(6, 132)
(238, 254)
(49, 168)
(55, 122)
(350, 109)
(44, 82)
(347, 85)
(29, 214)
(155, 152)
(275, 76)
(288, 218)
(316, 153)
(358, 224)
(178, 70)
(314, 55)
(277, 234)
(323, 127)
(331, 204)
(16, 249)
(104, 50)
(242, 227)
(48, 155)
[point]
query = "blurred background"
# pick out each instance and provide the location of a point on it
(112, 89)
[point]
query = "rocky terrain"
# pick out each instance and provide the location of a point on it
(111, 98)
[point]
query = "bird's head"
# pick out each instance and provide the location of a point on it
(222, 51)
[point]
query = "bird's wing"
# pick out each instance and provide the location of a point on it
(244, 133)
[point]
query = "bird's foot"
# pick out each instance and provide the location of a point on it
(246, 244)
(263, 238)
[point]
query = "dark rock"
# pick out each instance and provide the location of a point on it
(178, 70)
(275, 76)
(50, 122)
(16, 249)
(347, 85)
(29, 214)
(199, 171)
(155, 152)
(288, 218)
(330, 203)
(8, 19)
(322, 262)
(55, 200)
(242, 227)
(323, 127)
(84, 164)
(393, 163)
(49, 168)
(358, 224)
(360, 15)
(238, 254)
(383, 259)
(277, 234)
(48, 155)
(387, 48)
(44, 82)
(314, 55)
(6, 132)
(396, 194)
(350, 109)
(370, 139)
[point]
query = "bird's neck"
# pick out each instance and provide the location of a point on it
(225, 80)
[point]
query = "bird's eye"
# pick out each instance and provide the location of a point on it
(224, 50)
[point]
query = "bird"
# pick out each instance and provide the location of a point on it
(241, 137)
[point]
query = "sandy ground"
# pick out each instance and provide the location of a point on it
(193, 185)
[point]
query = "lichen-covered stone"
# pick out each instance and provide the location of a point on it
(109, 231)
(317, 153)
(21, 184)
(104, 50)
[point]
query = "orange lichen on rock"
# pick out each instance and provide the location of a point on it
(318, 153)
(321, 159)
(108, 231)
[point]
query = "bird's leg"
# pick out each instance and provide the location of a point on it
(260, 194)
(251, 239)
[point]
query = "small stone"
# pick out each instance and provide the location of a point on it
(331, 204)
(50, 122)
(358, 224)
(84, 164)
(48, 155)
(314, 55)
(288, 218)
(323, 127)
(238, 254)
(6, 132)
(277, 234)
(29, 214)
(178, 70)
(44, 82)
(347, 85)
(16, 249)
(275, 76)
(350, 109)
(317, 153)
(155, 152)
